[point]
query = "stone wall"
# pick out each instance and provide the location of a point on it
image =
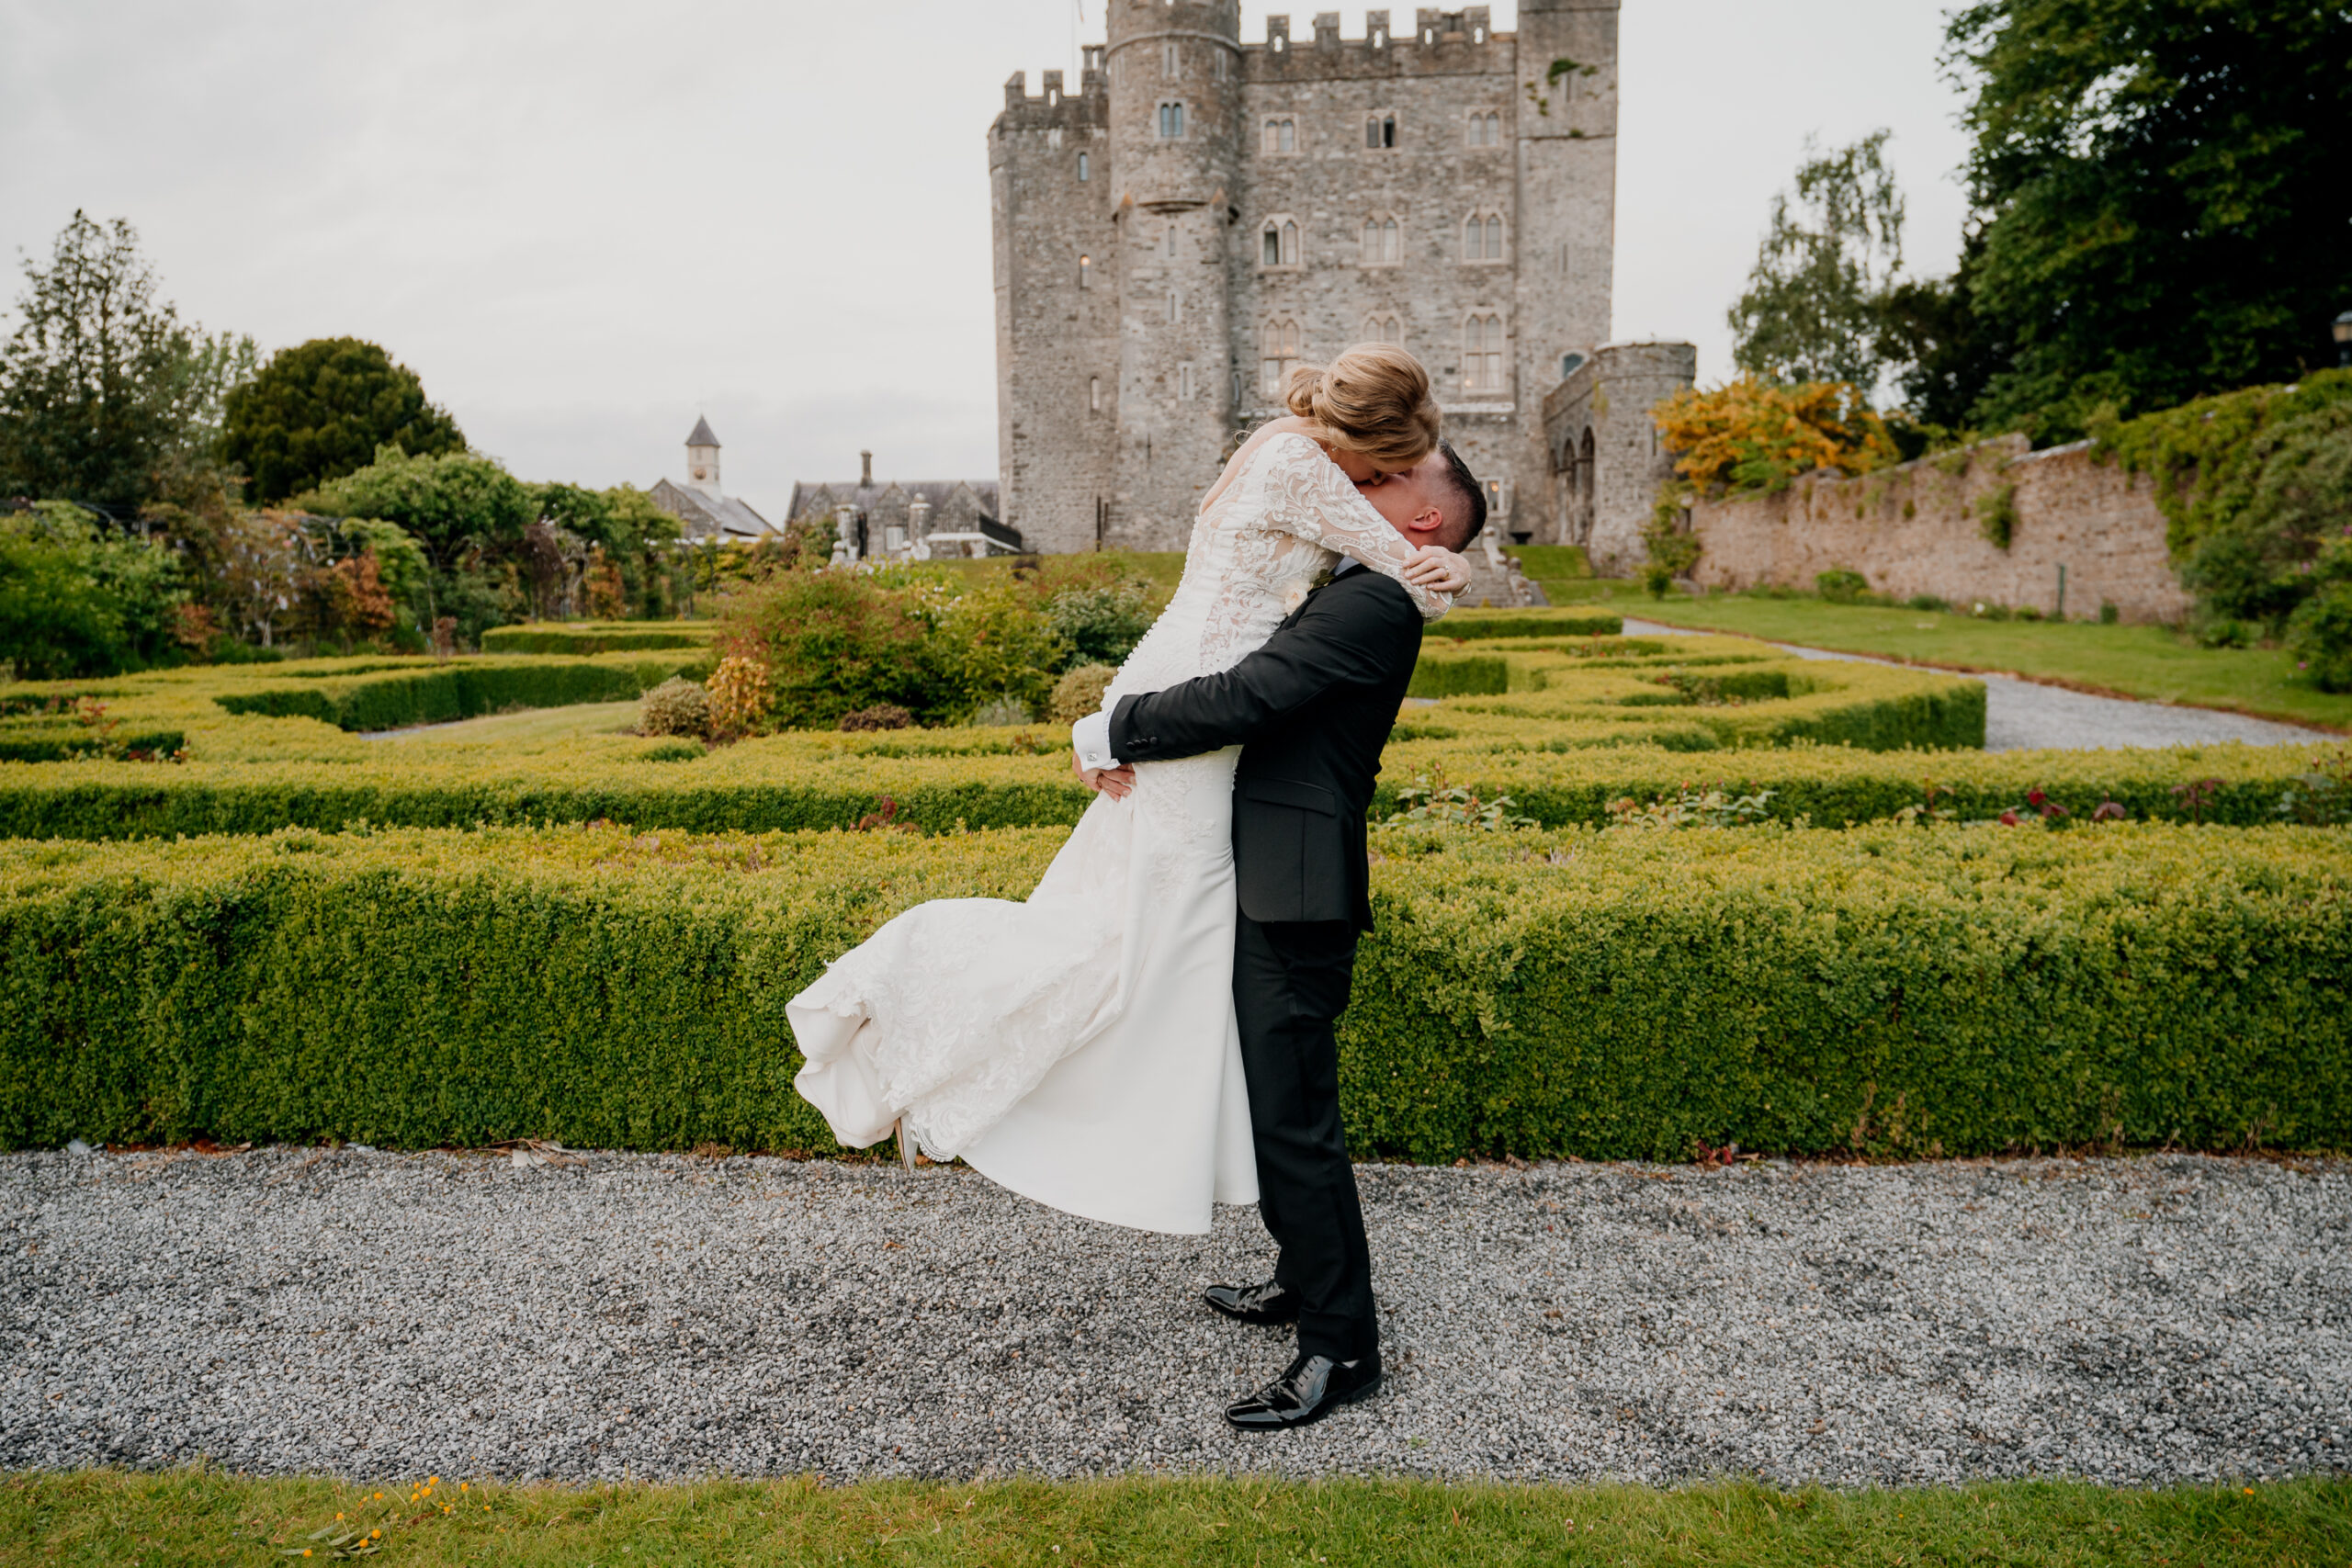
(1919, 529)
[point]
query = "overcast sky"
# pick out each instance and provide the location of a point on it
(583, 222)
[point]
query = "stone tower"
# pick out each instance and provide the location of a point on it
(1175, 111)
(702, 458)
(1203, 213)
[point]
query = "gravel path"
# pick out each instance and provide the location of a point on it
(2022, 716)
(2161, 1319)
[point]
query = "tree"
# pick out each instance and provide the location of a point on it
(1942, 350)
(105, 393)
(2163, 182)
(1812, 312)
(75, 599)
(322, 410)
(451, 503)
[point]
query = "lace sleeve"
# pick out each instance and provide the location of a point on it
(1310, 499)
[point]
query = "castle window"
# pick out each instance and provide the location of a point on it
(1174, 309)
(1278, 242)
(1171, 241)
(1383, 329)
(1482, 353)
(1482, 237)
(1185, 382)
(1172, 121)
(1486, 131)
(1282, 136)
(1380, 130)
(1277, 355)
(1085, 169)
(1379, 37)
(1568, 363)
(1382, 241)
(1477, 34)
(1171, 62)
(1085, 271)
(1094, 394)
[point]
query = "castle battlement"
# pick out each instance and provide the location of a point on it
(1204, 213)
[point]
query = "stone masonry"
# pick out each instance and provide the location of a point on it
(1606, 461)
(1202, 213)
(1919, 529)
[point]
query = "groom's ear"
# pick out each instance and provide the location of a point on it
(1425, 525)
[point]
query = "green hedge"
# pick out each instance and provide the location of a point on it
(609, 636)
(1614, 994)
(806, 782)
(436, 694)
(65, 740)
(1573, 621)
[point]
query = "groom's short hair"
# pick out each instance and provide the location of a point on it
(1461, 498)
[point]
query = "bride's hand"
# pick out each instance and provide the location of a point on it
(1437, 569)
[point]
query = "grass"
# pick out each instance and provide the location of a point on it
(527, 730)
(204, 1516)
(2149, 662)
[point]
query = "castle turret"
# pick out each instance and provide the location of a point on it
(1175, 112)
(702, 458)
(1567, 213)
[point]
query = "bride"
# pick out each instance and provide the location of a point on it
(1080, 1048)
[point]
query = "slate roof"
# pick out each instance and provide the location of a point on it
(704, 515)
(701, 436)
(939, 492)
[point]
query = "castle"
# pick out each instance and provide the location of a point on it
(1201, 214)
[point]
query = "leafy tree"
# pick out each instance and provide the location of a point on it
(1943, 351)
(105, 393)
(325, 409)
(2164, 186)
(1812, 312)
(77, 600)
(451, 503)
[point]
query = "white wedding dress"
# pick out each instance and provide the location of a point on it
(1080, 1048)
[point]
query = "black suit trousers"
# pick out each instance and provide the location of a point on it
(1290, 985)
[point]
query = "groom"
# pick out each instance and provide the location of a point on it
(1311, 710)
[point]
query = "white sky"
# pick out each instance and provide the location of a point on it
(584, 222)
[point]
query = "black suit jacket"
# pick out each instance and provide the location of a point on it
(1311, 711)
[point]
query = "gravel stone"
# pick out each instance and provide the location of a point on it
(2025, 715)
(2161, 1319)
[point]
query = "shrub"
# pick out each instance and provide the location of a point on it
(2319, 637)
(676, 706)
(582, 640)
(2109, 613)
(739, 698)
(1753, 437)
(1839, 586)
(883, 716)
(1080, 693)
(999, 711)
(1099, 625)
(1996, 515)
(1927, 602)
(835, 642)
(1914, 992)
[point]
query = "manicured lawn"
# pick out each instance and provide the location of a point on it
(2137, 662)
(201, 1516)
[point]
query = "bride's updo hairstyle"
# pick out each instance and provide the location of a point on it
(1374, 401)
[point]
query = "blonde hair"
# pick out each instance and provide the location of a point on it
(1374, 400)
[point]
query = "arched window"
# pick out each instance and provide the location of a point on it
(1278, 242)
(1086, 272)
(1171, 62)
(1277, 355)
(1485, 129)
(1172, 121)
(1094, 394)
(1482, 237)
(1282, 136)
(1568, 363)
(1171, 241)
(1383, 329)
(1381, 243)
(1380, 130)
(1174, 309)
(1185, 382)
(1085, 169)
(1482, 353)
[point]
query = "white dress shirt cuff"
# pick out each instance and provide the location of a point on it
(1091, 737)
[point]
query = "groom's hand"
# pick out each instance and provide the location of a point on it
(1112, 782)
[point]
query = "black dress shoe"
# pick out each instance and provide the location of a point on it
(1311, 1389)
(1266, 1303)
